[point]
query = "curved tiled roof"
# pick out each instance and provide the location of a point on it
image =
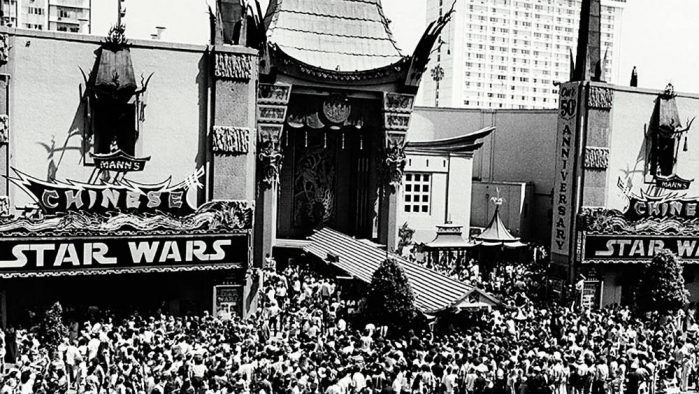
(434, 291)
(341, 35)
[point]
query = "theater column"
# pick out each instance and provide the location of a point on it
(272, 100)
(397, 109)
(4, 147)
(231, 156)
(232, 134)
(4, 124)
(599, 102)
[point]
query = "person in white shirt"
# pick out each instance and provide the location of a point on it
(366, 341)
(358, 380)
(93, 346)
(449, 381)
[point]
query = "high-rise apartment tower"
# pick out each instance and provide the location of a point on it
(511, 53)
(56, 15)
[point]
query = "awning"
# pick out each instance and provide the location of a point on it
(433, 291)
(291, 243)
(113, 271)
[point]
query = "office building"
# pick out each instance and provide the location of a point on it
(72, 16)
(510, 53)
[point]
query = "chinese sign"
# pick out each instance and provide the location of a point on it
(126, 196)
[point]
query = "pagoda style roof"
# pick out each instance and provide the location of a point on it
(337, 35)
(341, 42)
(463, 143)
(449, 237)
(496, 234)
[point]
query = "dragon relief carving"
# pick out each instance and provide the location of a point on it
(270, 154)
(314, 187)
(610, 221)
(395, 160)
(213, 216)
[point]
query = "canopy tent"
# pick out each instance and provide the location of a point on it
(434, 291)
(496, 234)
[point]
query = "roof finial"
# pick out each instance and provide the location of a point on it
(497, 200)
(589, 64)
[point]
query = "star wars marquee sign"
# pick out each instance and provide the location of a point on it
(123, 227)
(638, 248)
(42, 257)
(127, 196)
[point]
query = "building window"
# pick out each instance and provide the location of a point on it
(416, 195)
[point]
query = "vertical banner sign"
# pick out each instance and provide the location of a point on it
(569, 100)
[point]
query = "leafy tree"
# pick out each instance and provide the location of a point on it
(52, 328)
(661, 287)
(391, 301)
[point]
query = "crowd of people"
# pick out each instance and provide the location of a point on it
(303, 341)
(502, 278)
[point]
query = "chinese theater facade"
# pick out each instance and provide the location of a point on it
(624, 187)
(128, 175)
(335, 102)
(151, 176)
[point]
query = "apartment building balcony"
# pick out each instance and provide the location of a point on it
(67, 20)
(80, 4)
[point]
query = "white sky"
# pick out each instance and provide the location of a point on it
(659, 37)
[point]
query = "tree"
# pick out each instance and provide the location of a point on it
(52, 328)
(391, 301)
(661, 287)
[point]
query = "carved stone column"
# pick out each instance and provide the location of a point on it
(272, 101)
(4, 126)
(231, 137)
(397, 109)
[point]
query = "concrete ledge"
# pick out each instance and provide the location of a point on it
(483, 110)
(632, 89)
(135, 43)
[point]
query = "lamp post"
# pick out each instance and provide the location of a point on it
(437, 75)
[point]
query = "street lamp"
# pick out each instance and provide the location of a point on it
(437, 75)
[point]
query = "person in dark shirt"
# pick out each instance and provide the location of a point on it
(538, 382)
(480, 383)
(438, 369)
(633, 381)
